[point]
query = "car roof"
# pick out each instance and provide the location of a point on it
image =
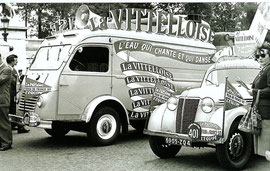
(227, 62)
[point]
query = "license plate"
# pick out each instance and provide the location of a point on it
(177, 141)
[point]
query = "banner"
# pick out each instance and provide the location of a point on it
(261, 23)
(141, 79)
(34, 88)
(160, 51)
(160, 95)
(232, 98)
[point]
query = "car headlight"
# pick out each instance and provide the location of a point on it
(207, 105)
(40, 101)
(172, 103)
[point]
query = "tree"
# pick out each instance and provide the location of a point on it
(220, 16)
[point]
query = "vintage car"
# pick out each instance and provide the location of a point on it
(196, 117)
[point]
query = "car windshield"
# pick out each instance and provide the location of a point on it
(217, 77)
(50, 57)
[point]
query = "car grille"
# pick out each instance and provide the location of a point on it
(27, 105)
(186, 112)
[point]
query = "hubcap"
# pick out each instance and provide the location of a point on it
(106, 126)
(236, 145)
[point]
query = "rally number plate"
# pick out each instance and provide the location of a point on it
(177, 141)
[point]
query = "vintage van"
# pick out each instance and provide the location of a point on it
(197, 118)
(99, 80)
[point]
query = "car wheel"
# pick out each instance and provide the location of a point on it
(104, 127)
(161, 149)
(236, 150)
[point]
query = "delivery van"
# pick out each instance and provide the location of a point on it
(101, 80)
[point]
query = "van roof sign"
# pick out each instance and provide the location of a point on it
(146, 20)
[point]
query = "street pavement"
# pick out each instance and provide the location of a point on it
(38, 151)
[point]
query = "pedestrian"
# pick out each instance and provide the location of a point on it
(5, 126)
(21, 76)
(262, 83)
(12, 60)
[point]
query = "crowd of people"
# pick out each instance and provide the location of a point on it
(9, 79)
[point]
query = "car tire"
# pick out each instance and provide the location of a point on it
(161, 149)
(104, 127)
(236, 150)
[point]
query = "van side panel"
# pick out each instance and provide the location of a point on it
(135, 72)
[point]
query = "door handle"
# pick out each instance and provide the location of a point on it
(63, 84)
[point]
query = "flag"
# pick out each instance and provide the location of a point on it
(160, 95)
(232, 98)
(34, 88)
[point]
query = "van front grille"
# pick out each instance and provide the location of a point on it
(27, 105)
(186, 112)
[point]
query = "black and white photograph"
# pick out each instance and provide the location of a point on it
(134, 85)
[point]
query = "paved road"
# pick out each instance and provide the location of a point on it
(38, 151)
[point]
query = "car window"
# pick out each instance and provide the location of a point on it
(91, 59)
(218, 76)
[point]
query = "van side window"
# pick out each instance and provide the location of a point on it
(92, 59)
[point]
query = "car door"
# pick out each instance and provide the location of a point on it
(86, 76)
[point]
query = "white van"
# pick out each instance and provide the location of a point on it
(99, 81)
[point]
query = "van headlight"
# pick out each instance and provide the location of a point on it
(40, 101)
(207, 105)
(172, 103)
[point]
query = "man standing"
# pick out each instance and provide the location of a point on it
(5, 126)
(12, 60)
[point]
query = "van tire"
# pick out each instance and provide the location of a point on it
(236, 156)
(58, 130)
(161, 149)
(104, 127)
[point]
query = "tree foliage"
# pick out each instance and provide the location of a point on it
(222, 16)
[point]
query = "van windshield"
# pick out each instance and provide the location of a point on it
(217, 77)
(50, 57)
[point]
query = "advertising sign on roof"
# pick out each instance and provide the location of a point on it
(245, 43)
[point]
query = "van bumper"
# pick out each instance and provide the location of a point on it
(20, 121)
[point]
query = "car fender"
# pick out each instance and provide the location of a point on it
(162, 119)
(230, 117)
(90, 108)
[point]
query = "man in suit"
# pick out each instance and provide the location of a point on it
(5, 126)
(12, 60)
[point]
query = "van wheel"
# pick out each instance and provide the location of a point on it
(161, 149)
(104, 127)
(236, 150)
(138, 125)
(57, 130)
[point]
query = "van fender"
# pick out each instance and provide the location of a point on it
(90, 108)
(230, 117)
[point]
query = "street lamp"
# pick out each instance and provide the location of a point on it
(5, 23)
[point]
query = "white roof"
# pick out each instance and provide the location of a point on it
(86, 33)
(237, 63)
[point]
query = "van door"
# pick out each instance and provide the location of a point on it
(86, 76)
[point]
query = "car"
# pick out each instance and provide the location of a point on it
(196, 117)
